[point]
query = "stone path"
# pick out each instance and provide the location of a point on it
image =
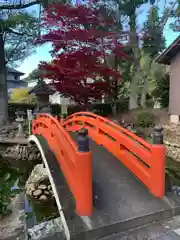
(165, 230)
(156, 231)
(169, 236)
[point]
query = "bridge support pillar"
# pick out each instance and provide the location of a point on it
(84, 175)
(158, 163)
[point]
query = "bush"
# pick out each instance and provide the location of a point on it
(13, 107)
(105, 109)
(73, 109)
(8, 178)
(161, 91)
(122, 105)
(150, 103)
(56, 109)
(102, 109)
(144, 119)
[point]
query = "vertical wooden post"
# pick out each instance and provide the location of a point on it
(157, 180)
(84, 175)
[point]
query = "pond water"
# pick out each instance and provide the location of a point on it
(12, 181)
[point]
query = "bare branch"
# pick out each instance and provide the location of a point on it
(8, 58)
(166, 15)
(10, 30)
(20, 5)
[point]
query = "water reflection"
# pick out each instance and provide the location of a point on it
(35, 210)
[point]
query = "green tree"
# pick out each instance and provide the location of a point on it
(20, 29)
(153, 39)
(171, 11)
(129, 11)
(34, 75)
(13, 26)
(17, 31)
(21, 95)
(151, 73)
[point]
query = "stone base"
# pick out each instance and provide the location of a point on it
(52, 229)
(174, 119)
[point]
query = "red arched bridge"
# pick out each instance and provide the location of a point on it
(118, 161)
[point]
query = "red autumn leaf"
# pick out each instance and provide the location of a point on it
(80, 70)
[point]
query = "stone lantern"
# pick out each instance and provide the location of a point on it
(20, 120)
(42, 92)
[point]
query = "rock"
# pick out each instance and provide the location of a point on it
(42, 187)
(31, 157)
(37, 193)
(32, 186)
(43, 197)
(29, 192)
(47, 193)
(52, 229)
(38, 183)
(19, 152)
(17, 149)
(38, 175)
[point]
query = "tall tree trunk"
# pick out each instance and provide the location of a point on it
(3, 84)
(134, 41)
(144, 93)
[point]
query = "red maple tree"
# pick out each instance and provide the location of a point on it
(80, 45)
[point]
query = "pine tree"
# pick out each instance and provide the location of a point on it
(153, 39)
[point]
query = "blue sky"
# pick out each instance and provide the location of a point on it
(42, 52)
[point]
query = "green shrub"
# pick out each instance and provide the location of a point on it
(13, 107)
(102, 109)
(8, 179)
(105, 109)
(150, 103)
(122, 105)
(144, 118)
(161, 91)
(73, 109)
(56, 109)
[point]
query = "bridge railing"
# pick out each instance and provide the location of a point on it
(146, 161)
(76, 166)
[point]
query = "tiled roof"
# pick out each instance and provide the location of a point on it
(11, 70)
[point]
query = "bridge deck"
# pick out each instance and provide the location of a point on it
(122, 201)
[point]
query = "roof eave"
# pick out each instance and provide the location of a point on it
(167, 55)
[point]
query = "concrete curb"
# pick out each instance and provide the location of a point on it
(116, 228)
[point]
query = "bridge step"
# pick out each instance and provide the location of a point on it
(123, 202)
(163, 230)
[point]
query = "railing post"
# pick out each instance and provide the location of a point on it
(157, 179)
(158, 135)
(84, 175)
(83, 140)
